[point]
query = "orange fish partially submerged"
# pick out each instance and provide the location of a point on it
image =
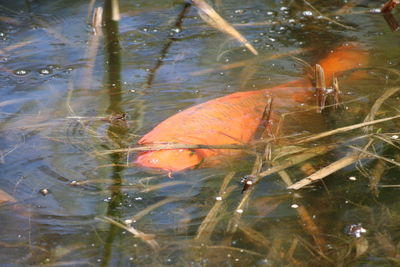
(234, 118)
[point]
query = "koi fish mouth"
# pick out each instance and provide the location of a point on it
(170, 160)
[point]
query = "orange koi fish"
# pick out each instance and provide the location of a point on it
(234, 118)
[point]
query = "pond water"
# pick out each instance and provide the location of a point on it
(69, 97)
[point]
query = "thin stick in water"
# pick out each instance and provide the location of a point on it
(208, 225)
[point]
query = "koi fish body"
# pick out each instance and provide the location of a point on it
(234, 118)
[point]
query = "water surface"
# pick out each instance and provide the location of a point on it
(62, 87)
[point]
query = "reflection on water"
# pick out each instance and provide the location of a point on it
(68, 98)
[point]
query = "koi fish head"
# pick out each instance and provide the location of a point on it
(171, 160)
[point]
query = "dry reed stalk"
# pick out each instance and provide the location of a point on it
(10, 20)
(306, 220)
(387, 139)
(89, 10)
(150, 208)
(250, 24)
(294, 160)
(92, 181)
(389, 6)
(12, 47)
(389, 186)
(240, 250)
(320, 87)
(52, 32)
(375, 176)
(155, 147)
(163, 185)
(209, 15)
(322, 173)
(337, 93)
(311, 228)
(246, 74)
(275, 248)
(4, 197)
(292, 248)
(344, 129)
(345, 9)
(308, 168)
(115, 14)
(254, 237)
(372, 155)
(147, 238)
(4, 153)
(146, 180)
(320, 77)
(391, 21)
(12, 101)
(234, 222)
(93, 47)
(327, 18)
(309, 70)
(252, 61)
(207, 227)
(313, 251)
(285, 177)
(377, 105)
(355, 156)
(36, 126)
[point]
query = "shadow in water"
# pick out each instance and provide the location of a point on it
(115, 131)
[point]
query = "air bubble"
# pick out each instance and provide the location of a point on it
(45, 71)
(21, 72)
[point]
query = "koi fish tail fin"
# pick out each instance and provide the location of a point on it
(345, 57)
